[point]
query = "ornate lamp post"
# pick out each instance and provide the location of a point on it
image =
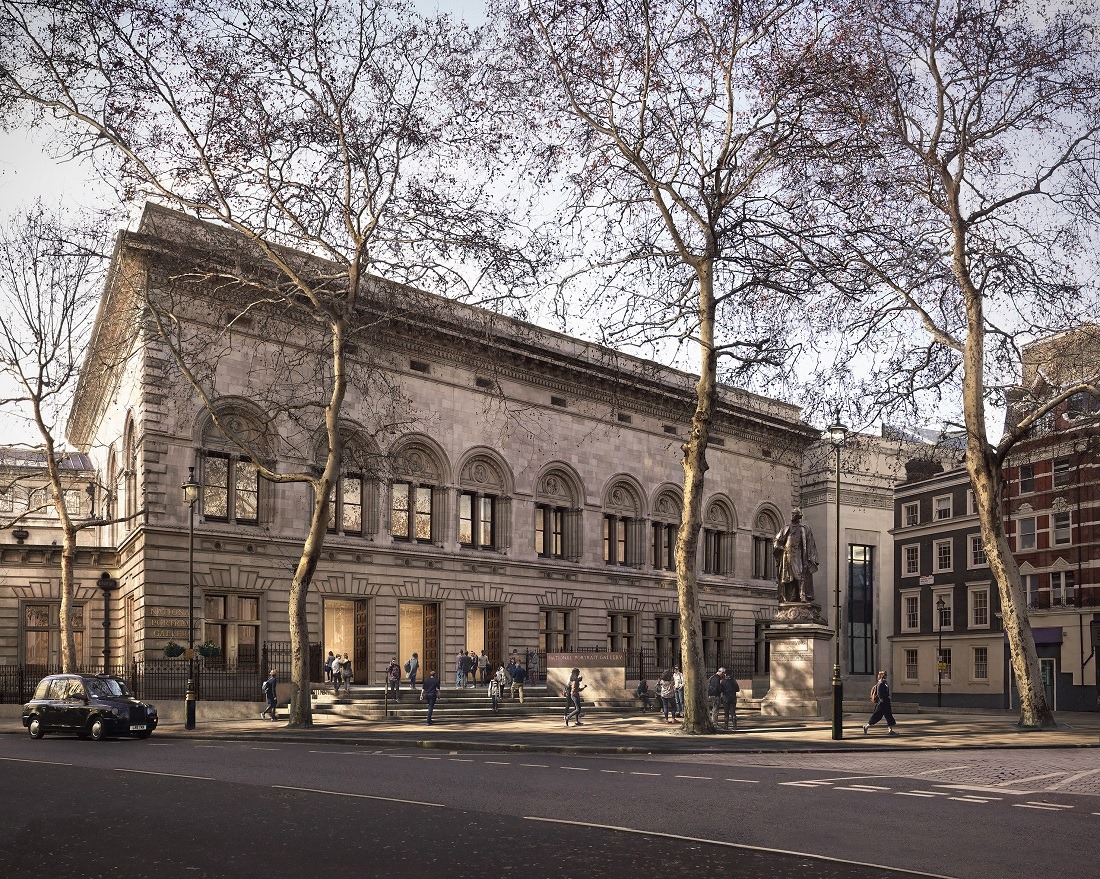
(190, 496)
(107, 584)
(940, 605)
(837, 433)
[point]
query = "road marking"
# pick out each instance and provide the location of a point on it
(645, 773)
(166, 774)
(574, 768)
(212, 747)
(945, 769)
(265, 749)
(340, 793)
(1050, 805)
(870, 787)
(971, 799)
(1033, 806)
(1030, 778)
(743, 780)
(695, 777)
(806, 783)
(328, 753)
(734, 845)
(859, 790)
(915, 793)
(1072, 778)
(429, 758)
(985, 789)
(460, 759)
(536, 765)
(611, 771)
(497, 763)
(43, 762)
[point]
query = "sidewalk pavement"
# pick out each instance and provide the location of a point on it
(610, 733)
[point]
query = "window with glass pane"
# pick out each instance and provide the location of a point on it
(664, 546)
(942, 507)
(667, 641)
(620, 632)
(42, 633)
(763, 562)
(1061, 528)
(910, 560)
(943, 555)
(614, 540)
(1026, 533)
(215, 487)
(400, 517)
(555, 630)
(548, 531)
(7, 500)
(860, 617)
(714, 643)
(1062, 472)
(977, 551)
(1030, 583)
(1027, 478)
(466, 518)
(247, 491)
(912, 613)
(485, 522)
(979, 608)
(945, 660)
(423, 513)
(912, 669)
(910, 514)
(981, 663)
(1061, 588)
(943, 610)
(351, 504)
(712, 551)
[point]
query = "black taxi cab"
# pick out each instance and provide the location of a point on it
(89, 706)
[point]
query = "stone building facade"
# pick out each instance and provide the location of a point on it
(520, 493)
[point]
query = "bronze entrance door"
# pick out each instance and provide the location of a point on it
(359, 659)
(418, 632)
(430, 659)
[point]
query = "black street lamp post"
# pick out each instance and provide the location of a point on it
(837, 433)
(107, 584)
(940, 605)
(190, 495)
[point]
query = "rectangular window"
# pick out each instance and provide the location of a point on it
(1027, 478)
(971, 503)
(977, 552)
(714, 643)
(246, 493)
(910, 514)
(1061, 589)
(476, 520)
(943, 555)
(941, 507)
(215, 487)
(466, 502)
(667, 641)
(351, 504)
(763, 562)
(1061, 472)
(1030, 583)
(555, 630)
(7, 500)
(1061, 529)
(912, 669)
(979, 608)
(423, 513)
(712, 551)
(42, 633)
(981, 663)
(615, 536)
(549, 522)
(621, 632)
(910, 560)
(1025, 533)
(230, 489)
(232, 622)
(910, 612)
(664, 546)
(945, 663)
(942, 603)
(400, 518)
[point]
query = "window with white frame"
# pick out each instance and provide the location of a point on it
(230, 488)
(910, 514)
(943, 610)
(971, 502)
(1027, 478)
(910, 560)
(941, 552)
(979, 607)
(941, 507)
(945, 663)
(1062, 472)
(1025, 533)
(977, 552)
(1030, 583)
(912, 668)
(1061, 527)
(910, 611)
(411, 511)
(981, 663)
(1061, 588)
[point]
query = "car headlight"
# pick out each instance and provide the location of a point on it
(151, 710)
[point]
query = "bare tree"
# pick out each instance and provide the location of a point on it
(664, 123)
(337, 129)
(958, 141)
(49, 273)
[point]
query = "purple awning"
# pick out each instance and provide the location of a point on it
(1045, 635)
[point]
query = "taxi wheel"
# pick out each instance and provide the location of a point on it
(35, 728)
(96, 731)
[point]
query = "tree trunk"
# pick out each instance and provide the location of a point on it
(696, 715)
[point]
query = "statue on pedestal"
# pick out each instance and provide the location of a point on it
(796, 561)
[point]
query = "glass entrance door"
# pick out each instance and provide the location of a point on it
(418, 632)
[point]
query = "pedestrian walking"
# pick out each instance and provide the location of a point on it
(678, 691)
(470, 664)
(880, 695)
(430, 693)
(412, 666)
(337, 674)
(519, 675)
(483, 666)
(728, 697)
(572, 694)
(666, 692)
(642, 692)
(345, 670)
(494, 694)
(714, 694)
(460, 669)
(268, 689)
(328, 666)
(393, 679)
(534, 668)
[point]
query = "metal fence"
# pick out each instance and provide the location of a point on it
(646, 663)
(155, 678)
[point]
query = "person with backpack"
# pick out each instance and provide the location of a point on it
(337, 674)
(411, 668)
(880, 695)
(268, 689)
(714, 694)
(494, 693)
(727, 696)
(678, 691)
(572, 695)
(393, 679)
(642, 692)
(328, 666)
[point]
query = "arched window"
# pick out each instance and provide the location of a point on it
(557, 525)
(129, 475)
(764, 530)
(231, 485)
(484, 505)
(667, 510)
(353, 501)
(718, 538)
(623, 524)
(417, 497)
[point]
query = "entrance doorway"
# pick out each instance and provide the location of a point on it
(345, 631)
(418, 632)
(483, 633)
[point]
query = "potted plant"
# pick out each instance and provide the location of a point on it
(208, 650)
(172, 650)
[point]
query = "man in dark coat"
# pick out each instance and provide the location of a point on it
(430, 693)
(729, 689)
(269, 692)
(881, 695)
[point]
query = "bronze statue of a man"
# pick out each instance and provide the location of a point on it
(796, 560)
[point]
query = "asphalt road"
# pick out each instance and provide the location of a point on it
(210, 809)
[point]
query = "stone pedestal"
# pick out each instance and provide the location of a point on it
(801, 664)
